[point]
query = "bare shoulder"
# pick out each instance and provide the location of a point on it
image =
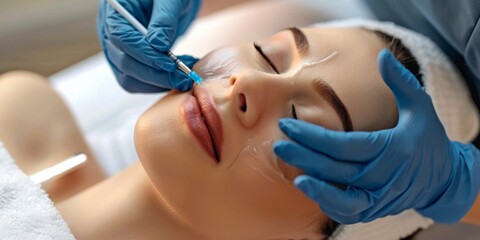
(39, 131)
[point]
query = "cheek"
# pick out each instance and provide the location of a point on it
(220, 63)
(151, 128)
(252, 151)
(264, 192)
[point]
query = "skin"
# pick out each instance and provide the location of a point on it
(221, 200)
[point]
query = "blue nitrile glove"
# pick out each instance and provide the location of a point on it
(413, 165)
(140, 62)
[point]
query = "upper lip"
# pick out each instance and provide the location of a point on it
(212, 118)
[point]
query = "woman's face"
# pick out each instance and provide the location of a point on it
(209, 152)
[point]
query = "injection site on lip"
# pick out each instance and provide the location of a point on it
(211, 118)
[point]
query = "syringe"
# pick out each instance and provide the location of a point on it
(132, 20)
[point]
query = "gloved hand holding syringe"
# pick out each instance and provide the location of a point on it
(184, 68)
(138, 52)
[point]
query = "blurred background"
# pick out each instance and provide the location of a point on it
(46, 36)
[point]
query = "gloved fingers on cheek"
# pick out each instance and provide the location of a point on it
(349, 202)
(317, 164)
(136, 69)
(347, 146)
(404, 85)
(308, 134)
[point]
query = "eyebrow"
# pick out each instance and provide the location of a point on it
(327, 93)
(320, 86)
(301, 41)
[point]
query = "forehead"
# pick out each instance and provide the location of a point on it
(352, 73)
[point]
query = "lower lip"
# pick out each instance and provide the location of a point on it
(193, 117)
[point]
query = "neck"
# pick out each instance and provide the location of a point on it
(126, 206)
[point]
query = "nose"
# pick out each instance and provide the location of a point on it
(256, 94)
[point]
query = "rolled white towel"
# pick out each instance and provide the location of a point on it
(26, 212)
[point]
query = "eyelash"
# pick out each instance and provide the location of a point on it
(294, 112)
(259, 50)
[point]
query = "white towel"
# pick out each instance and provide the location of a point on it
(26, 212)
(388, 228)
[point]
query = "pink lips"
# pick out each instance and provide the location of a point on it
(204, 122)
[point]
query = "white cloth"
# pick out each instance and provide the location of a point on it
(26, 212)
(387, 228)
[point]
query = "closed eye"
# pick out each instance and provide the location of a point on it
(259, 50)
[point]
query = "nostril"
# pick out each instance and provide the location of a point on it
(233, 79)
(242, 102)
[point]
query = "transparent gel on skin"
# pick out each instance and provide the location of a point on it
(261, 158)
(307, 63)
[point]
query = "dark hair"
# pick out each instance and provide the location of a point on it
(405, 57)
(401, 53)
(329, 228)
